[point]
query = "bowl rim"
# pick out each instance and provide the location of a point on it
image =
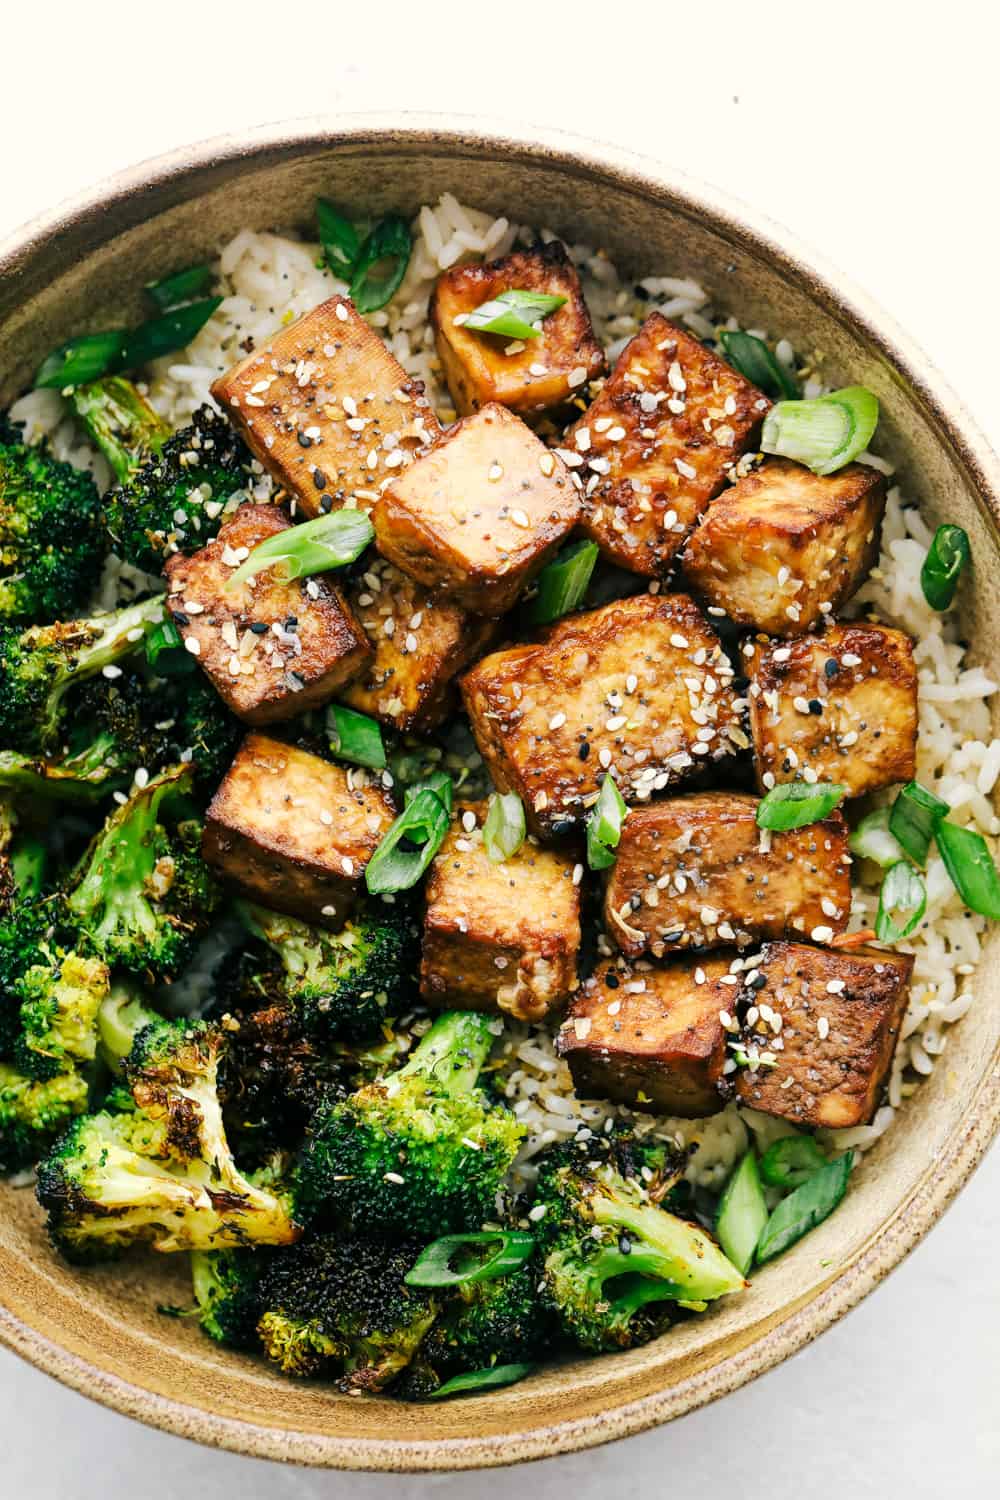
(457, 134)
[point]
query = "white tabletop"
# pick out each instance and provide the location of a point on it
(872, 132)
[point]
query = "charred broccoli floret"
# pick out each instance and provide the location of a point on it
(174, 501)
(422, 1150)
(52, 545)
(340, 1306)
(60, 1000)
(161, 1172)
(488, 1323)
(613, 1260)
(142, 895)
(226, 1286)
(83, 777)
(40, 665)
(24, 928)
(120, 422)
(33, 1111)
(136, 720)
(346, 983)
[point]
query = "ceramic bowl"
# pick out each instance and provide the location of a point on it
(84, 265)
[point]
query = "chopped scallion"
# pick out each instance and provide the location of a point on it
(329, 541)
(563, 582)
(791, 1161)
(174, 330)
(389, 245)
(166, 653)
(914, 816)
(515, 314)
(438, 782)
(604, 825)
(795, 804)
(755, 361)
(81, 360)
(970, 868)
(806, 1207)
(480, 1380)
(742, 1214)
(98, 354)
(947, 555)
(824, 434)
(504, 829)
(902, 902)
(339, 238)
(409, 846)
(872, 839)
(180, 287)
(354, 737)
(457, 1259)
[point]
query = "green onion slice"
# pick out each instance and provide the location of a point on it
(160, 336)
(182, 286)
(329, 541)
(913, 819)
(790, 1162)
(481, 1380)
(563, 582)
(824, 434)
(354, 737)
(604, 826)
(438, 782)
(947, 555)
(755, 361)
(806, 1207)
(409, 846)
(742, 1214)
(902, 902)
(390, 245)
(508, 1251)
(504, 829)
(516, 314)
(166, 653)
(872, 839)
(970, 867)
(795, 804)
(339, 238)
(82, 359)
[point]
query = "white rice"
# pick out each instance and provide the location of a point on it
(268, 280)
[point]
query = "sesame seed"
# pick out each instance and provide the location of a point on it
(821, 934)
(193, 645)
(557, 721)
(680, 641)
(547, 464)
(830, 908)
(519, 517)
(495, 472)
(836, 986)
(538, 1212)
(822, 1028)
(577, 376)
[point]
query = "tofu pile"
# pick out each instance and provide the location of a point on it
(719, 972)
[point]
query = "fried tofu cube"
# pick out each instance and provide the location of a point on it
(327, 409)
(660, 440)
(640, 689)
(480, 514)
(696, 871)
(839, 707)
(652, 1039)
(530, 376)
(291, 831)
(499, 936)
(783, 547)
(840, 1017)
(420, 644)
(272, 648)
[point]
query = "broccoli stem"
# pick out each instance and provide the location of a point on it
(115, 636)
(452, 1052)
(122, 1016)
(120, 422)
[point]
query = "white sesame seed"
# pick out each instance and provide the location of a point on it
(822, 1028)
(547, 464)
(520, 518)
(836, 986)
(557, 721)
(193, 645)
(821, 934)
(538, 1212)
(577, 376)
(495, 472)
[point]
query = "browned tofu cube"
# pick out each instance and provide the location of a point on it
(272, 648)
(660, 440)
(696, 871)
(327, 409)
(531, 376)
(420, 643)
(640, 688)
(652, 1039)
(294, 832)
(480, 514)
(499, 937)
(840, 1014)
(839, 707)
(784, 547)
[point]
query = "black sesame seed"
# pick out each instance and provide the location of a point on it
(611, 980)
(584, 749)
(319, 479)
(181, 619)
(304, 442)
(831, 666)
(758, 982)
(259, 628)
(815, 706)
(326, 504)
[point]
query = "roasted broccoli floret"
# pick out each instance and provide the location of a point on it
(613, 1260)
(423, 1150)
(137, 720)
(33, 1111)
(24, 927)
(120, 422)
(487, 1323)
(226, 1287)
(52, 545)
(339, 1305)
(174, 501)
(60, 1000)
(83, 777)
(162, 1171)
(40, 665)
(346, 983)
(142, 895)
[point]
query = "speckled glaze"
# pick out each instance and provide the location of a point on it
(98, 1330)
